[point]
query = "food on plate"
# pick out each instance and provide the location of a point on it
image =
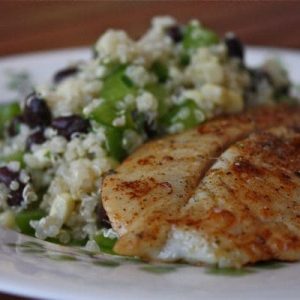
(64, 139)
(224, 193)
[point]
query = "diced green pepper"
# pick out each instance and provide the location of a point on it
(15, 156)
(7, 112)
(184, 59)
(23, 219)
(104, 113)
(160, 94)
(105, 244)
(161, 71)
(114, 138)
(196, 36)
(116, 86)
(187, 114)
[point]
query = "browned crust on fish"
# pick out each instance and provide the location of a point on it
(253, 202)
(151, 187)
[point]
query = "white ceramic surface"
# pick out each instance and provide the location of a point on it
(34, 268)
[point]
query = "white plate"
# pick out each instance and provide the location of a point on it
(33, 268)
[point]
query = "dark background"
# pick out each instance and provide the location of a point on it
(27, 26)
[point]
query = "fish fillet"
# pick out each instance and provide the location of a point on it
(247, 208)
(147, 198)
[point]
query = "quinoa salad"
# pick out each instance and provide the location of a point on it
(59, 142)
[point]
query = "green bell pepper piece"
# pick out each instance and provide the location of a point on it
(16, 156)
(160, 93)
(7, 112)
(105, 244)
(116, 86)
(196, 36)
(184, 59)
(161, 71)
(184, 114)
(104, 113)
(24, 217)
(114, 146)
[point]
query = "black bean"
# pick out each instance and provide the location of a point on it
(175, 33)
(234, 46)
(102, 218)
(150, 129)
(14, 126)
(258, 77)
(36, 112)
(7, 176)
(144, 124)
(65, 73)
(15, 197)
(35, 138)
(284, 89)
(66, 126)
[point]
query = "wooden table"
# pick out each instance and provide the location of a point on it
(27, 26)
(41, 25)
